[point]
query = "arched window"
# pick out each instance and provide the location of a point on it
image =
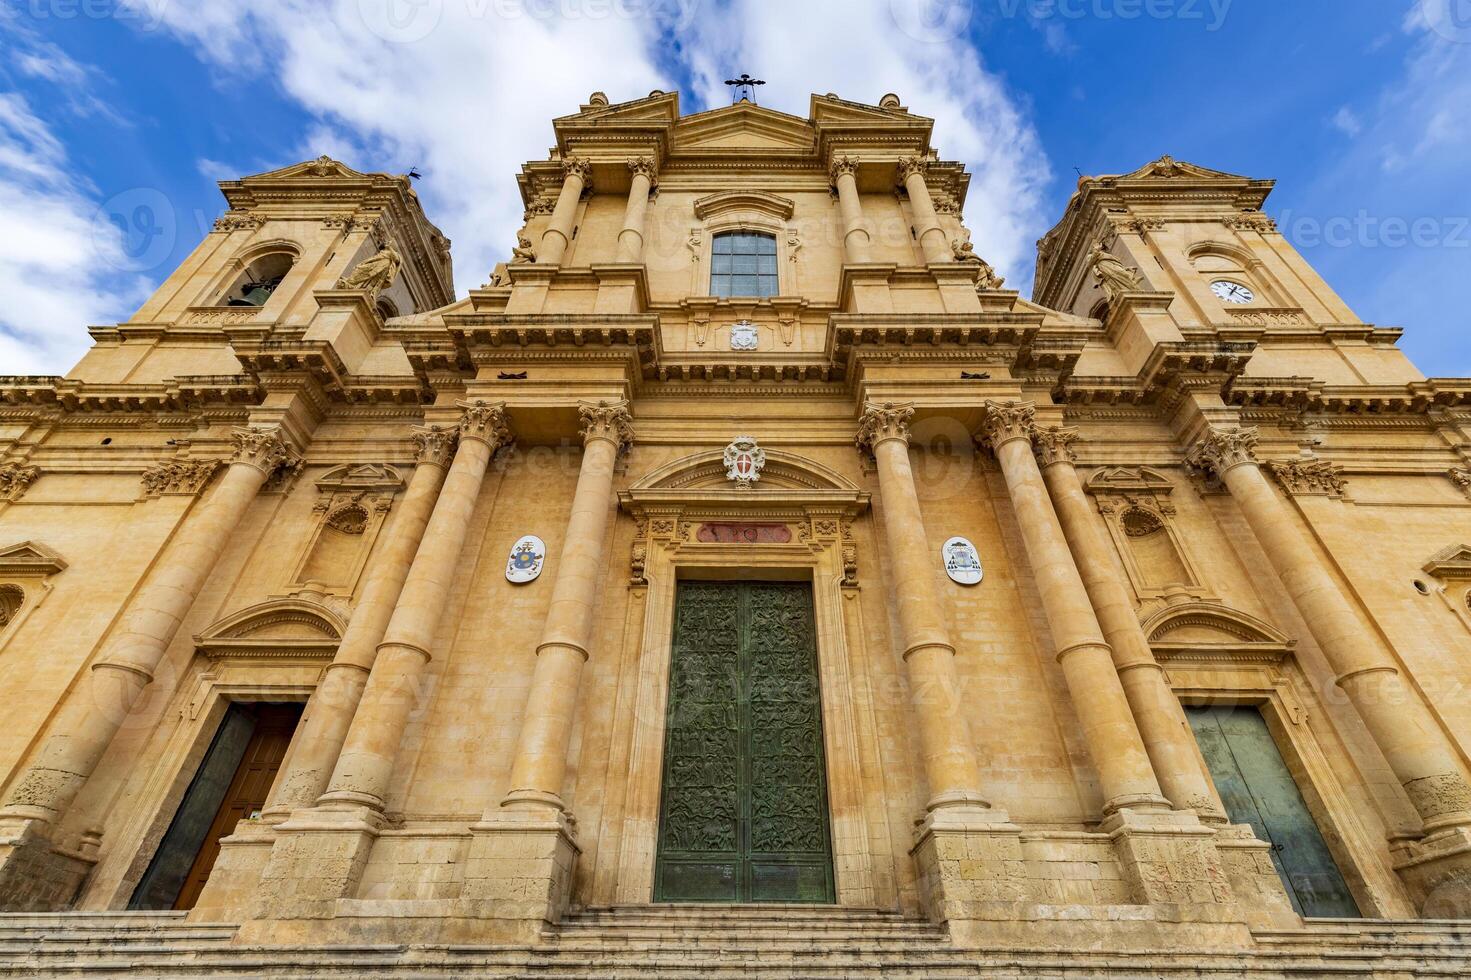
(743, 263)
(261, 277)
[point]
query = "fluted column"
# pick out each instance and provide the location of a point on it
(949, 752)
(1162, 723)
(93, 713)
(1418, 751)
(631, 237)
(365, 764)
(1087, 661)
(329, 713)
(540, 760)
(576, 175)
(855, 234)
(932, 240)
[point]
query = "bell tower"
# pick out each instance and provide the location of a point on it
(287, 235)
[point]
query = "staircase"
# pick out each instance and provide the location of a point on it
(716, 942)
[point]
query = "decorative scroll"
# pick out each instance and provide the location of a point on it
(1308, 476)
(183, 477)
(16, 479)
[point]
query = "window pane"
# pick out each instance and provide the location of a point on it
(766, 265)
(748, 264)
(743, 263)
(722, 245)
(743, 286)
(767, 286)
(721, 264)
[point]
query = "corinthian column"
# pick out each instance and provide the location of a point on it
(945, 740)
(631, 237)
(926, 223)
(1157, 712)
(855, 235)
(366, 762)
(576, 175)
(92, 714)
(1418, 751)
(1087, 661)
(329, 713)
(540, 761)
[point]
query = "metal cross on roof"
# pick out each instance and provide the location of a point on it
(745, 88)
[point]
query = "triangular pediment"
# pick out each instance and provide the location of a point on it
(30, 558)
(360, 476)
(1168, 168)
(1129, 479)
(1450, 563)
(744, 125)
(322, 167)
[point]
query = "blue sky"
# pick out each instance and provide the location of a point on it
(117, 116)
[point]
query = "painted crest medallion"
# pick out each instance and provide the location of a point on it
(962, 561)
(744, 335)
(527, 556)
(744, 461)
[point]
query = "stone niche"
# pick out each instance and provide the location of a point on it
(352, 503)
(1136, 508)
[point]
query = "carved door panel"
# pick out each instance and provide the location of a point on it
(744, 809)
(1258, 789)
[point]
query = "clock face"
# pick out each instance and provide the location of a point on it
(1232, 292)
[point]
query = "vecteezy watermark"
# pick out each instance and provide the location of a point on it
(937, 21)
(1365, 230)
(143, 14)
(135, 230)
(407, 21)
(1451, 19)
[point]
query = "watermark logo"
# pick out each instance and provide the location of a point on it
(932, 21)
(135, 230)
(1451, 19)
(401, 21)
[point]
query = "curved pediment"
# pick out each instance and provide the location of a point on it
(773, 205)
(280, 628)
(706, 470)
(1209, 630)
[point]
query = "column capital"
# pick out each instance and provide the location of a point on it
(1054, 444)
(1006, 421)
(606, 420)
(840, 166)
(263, 447)
(879, 423)
(15, 479)
(434, 444)
(645, 166)
(1223, 449)
(579, 168)
(909, 166)
(1308, 476)
(485, 421)
(185, 477)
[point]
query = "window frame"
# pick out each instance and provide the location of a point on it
(763, 256)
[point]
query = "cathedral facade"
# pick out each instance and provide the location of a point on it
(742, 544)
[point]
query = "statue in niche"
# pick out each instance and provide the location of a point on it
(374, 273)
(1112, 275)
(523, 252)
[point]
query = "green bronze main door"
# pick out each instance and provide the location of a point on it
(1258, 789)
(744, 805)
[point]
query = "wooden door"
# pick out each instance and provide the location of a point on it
(744, 814)
(247, 791)
(1258, 789)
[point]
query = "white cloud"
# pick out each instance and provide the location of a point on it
(1346, 122)
(60, 269)
(466, 89)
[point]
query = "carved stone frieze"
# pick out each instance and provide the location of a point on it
(1308, 476)
(239, 221)
(1251, 221)
(184, 477)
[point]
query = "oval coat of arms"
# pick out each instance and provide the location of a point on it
(527, 555)
(962, 561)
